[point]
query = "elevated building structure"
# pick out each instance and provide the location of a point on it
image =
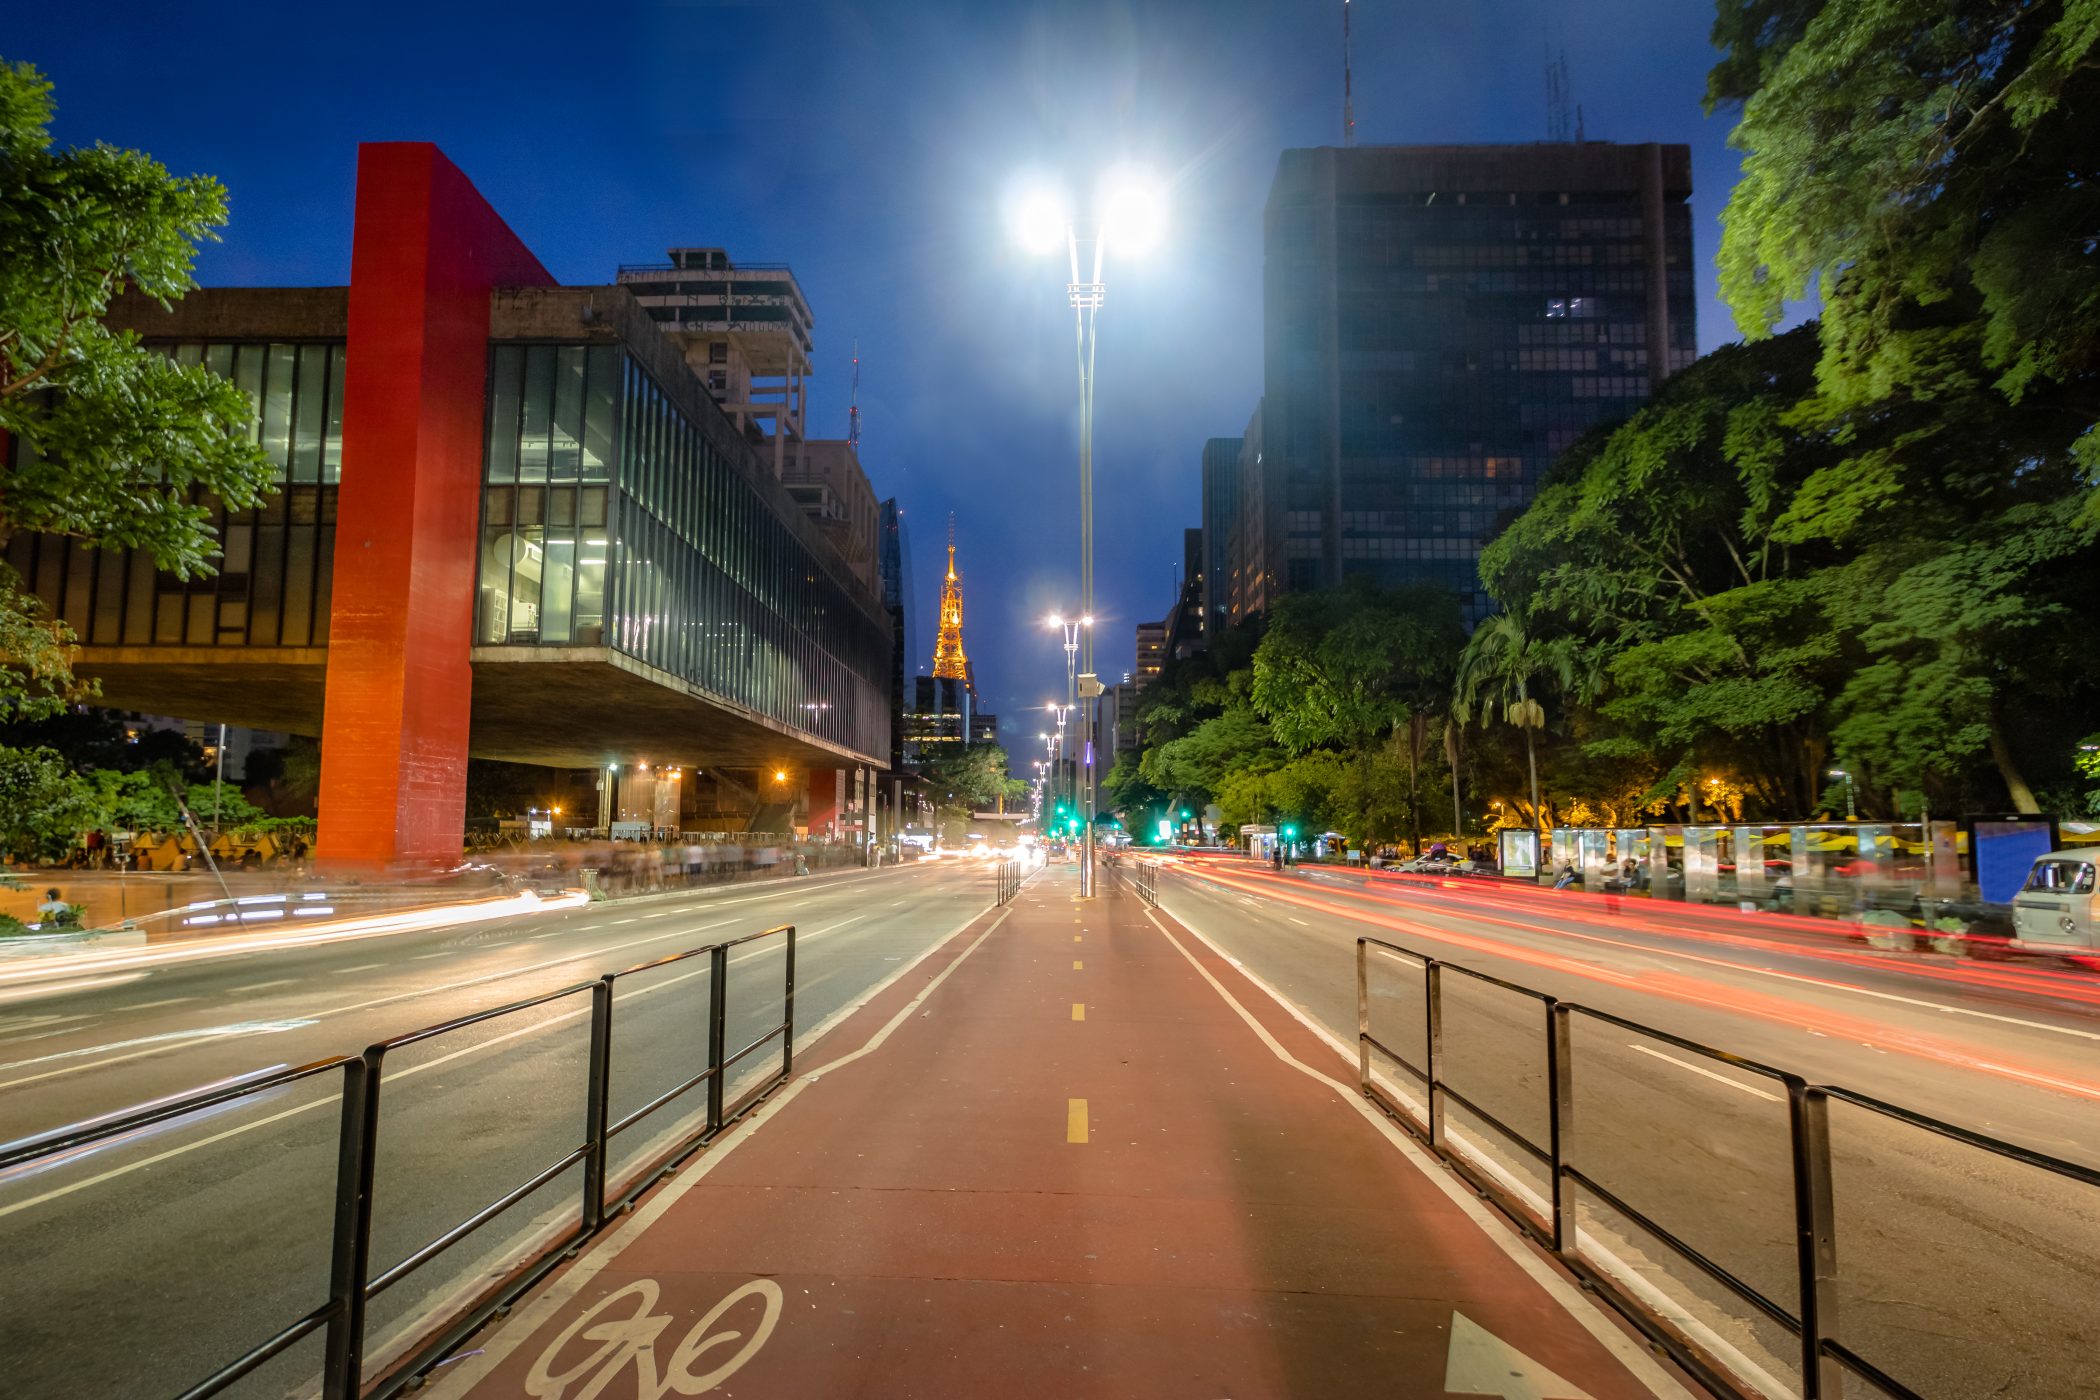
(511, 522)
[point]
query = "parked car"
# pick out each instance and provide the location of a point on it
(2055, 911)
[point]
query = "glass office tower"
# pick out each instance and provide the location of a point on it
(1439, 324)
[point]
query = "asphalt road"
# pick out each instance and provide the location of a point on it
(1961, 1274)
(138, 1267)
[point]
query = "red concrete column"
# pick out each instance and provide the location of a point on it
(426, 250)
(824, 784)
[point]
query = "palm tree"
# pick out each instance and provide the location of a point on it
(1501, 662)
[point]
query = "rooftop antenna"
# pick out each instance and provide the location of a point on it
(1557, 124)
(1348, 95)
(853, 413)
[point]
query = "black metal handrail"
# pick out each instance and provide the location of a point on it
(352, 1284)
(1823, 1359)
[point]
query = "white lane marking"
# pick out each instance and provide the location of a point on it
(528, 1320)
(896, 903)
(1591, 1319)
(426, 957)
(365, 967)
(23, 1023)
(1298, 921)
(151, 1005)
(829, 927)
(154, 1045)
(1702, 1070)
(265, 986)
(329, 1101)
(635, 920)
(38, 991)
(410, 995)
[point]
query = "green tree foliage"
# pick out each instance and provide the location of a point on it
(965, 778)
(1506, 666)
(114, 444)
(43, 804)
(1934, 171)
(1351, 668)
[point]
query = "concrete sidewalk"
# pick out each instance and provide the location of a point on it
(1071, 1156)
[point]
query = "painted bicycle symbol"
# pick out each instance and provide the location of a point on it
(630, 1340)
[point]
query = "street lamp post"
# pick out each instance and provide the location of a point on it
(1851, 802)
(1132, 213)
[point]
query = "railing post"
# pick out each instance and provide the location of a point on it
(1560, 1122)
(1815, 1237)
(717, 1032)
(597, 1105)
(1433, 1009)
(787, 1043)
(342, 1374)
(1363, 1015)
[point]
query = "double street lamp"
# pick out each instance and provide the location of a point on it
(1130, 212)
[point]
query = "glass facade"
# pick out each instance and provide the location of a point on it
(609, 519)
(1431, 351)
(272, 583)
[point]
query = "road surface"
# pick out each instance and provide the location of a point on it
(139, 1267)
(1962, 1274)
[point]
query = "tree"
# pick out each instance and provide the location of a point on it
(1933, 171)
(114, 444)
(44, 805)
(1346, 668)
(1502, 664)
(966, 778)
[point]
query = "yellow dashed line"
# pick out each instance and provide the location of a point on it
(1075, 1120)
(1079, 1011)
(1078, 966)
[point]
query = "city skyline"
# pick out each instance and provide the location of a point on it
(601, 177)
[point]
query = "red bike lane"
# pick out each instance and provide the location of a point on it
(1061, 1162)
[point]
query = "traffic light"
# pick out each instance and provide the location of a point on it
(1290, 833)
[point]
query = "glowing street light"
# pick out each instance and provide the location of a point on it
(1130, 212)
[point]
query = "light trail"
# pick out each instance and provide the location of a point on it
(1742, 1001)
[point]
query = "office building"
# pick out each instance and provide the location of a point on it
(895, 551)
(1221, 497)
(1439, 323)
(1151, 652)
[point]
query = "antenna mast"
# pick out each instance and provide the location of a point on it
(1557, 96)
(1348, 93)
(853, 413)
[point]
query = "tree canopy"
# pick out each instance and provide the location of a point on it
(114, 444)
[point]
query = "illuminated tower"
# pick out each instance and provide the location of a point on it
(948, 659)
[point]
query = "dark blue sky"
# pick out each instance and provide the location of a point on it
(871, 146)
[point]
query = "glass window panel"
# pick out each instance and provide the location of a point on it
(506, 377)
(601, 412)
(80, 585)
(498, 505)
(308, 404)
(219, 360)
(266, 596)
(167, 618)
(588, 627)
(556, 586)
(566, 462)
(528, 562)
(277, 403)
(138, 600)
(297, 612)
(189, 354)
(494, 590)
(594, 506)
(561, 505)
(324, 587)
(538, 413)
(332, 437)
(532, 504)
(203, 629)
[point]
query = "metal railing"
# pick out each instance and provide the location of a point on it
(1823, 1359)
(352, 1283)
(1009, 878)
(1144, 878)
